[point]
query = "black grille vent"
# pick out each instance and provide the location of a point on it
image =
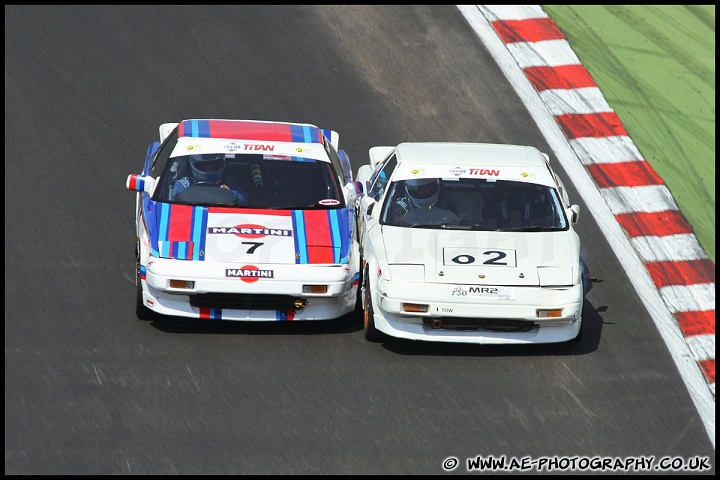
(499, 325)
(243, 301)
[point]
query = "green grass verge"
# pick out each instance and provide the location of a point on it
(655, 65)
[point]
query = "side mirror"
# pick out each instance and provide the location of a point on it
(364, 173)
(351, 191)
(367, 204)
(359, 188)
(574, 211)
(140, 183)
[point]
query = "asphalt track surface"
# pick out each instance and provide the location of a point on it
(90, 389)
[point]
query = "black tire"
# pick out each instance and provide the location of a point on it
(372, 334)
(358, 312)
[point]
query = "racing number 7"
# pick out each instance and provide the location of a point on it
(253, 246)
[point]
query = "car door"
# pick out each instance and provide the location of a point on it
(376, 187)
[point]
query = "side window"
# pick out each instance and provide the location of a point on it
(563, 192)
(379, 179)
(176, 168)
(163, 154)
(337, 163)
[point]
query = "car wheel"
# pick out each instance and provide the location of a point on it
(372, 334)
(358, 312)
(141, 311)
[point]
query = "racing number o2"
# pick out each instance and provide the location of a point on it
(464, 259)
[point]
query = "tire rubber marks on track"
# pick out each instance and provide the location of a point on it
(635, 193)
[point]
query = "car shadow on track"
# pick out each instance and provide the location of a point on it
(587, 343)
(346, 324)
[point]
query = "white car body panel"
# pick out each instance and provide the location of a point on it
(471, 277)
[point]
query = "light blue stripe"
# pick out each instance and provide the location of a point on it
(164, 219)
(194, 128)
(307, 134)
(335, 232)
(203, 231)
(196, 231)
(301, 239)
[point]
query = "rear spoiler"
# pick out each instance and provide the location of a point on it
(332, 135)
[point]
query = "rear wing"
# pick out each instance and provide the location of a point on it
(333, 137)
(165, 130)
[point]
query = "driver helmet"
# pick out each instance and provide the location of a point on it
(208, 168)
(423, 192)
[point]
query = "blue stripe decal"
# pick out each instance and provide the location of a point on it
(335, 232)
(300, 239)
(304, 134)
(163, 244)
(143, 272)
(202, 214)
(204, 128)
(197, 230)
(197, 129)
(327, 133)
(182, 250)
(216, 313)
(296, 133)
(150, 224)
(281, 315)
(164, 217)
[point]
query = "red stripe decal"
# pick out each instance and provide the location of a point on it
(179, 223)
(708, 368)
(687, 272)
(696, 323)
(204, 312)
(625, 174)
(531, 30)
(596, 125)
(318, 236)
(320, 254)
(660, 224)
(247, 130)
(564, 77)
